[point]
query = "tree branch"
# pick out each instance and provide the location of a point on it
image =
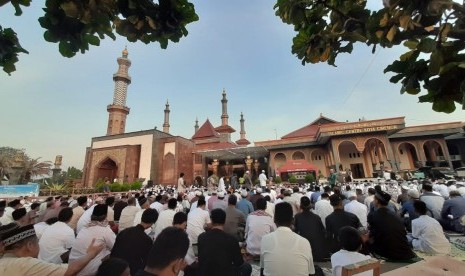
(4, 2)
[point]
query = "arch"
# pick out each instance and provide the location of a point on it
(434, 152)
(279, 159)
(168, 168)
(298, 155)
(408, 156)
(351, 159)
(107, 169)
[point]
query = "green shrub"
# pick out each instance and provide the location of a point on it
(137, 185)
(309, 178)
(278, 179)
(292, 179)
(115, 187)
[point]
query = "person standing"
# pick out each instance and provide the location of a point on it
(181, 184)
(294, 256)
(262, 178)
(219, 252)
(234, 183)
(332, 178)
(248, 180)
(221, 185)
(135, 238)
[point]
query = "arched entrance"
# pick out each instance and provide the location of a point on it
(408, 156)
(351, 159)
(434, 153)
(168, 169)
(375, 151)
(107, 170)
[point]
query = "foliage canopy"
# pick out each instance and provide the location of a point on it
(433, 31)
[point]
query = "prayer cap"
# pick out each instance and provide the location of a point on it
(221, 194)
(18, 213)
(244, 193)
(413, 194)
(17, 234)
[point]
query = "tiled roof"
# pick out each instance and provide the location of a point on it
(206, 131)
(308, 130)
(214, 146)
(225, 129)
(243, 142)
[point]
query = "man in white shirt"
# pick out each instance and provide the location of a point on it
(357, 208)
(371, 196)
(258, 224)
(427, 233)
(77, 212)
(181, 185)
(262, 178)
(158, 204)
(127, 215)
(269, 206)
(323, 208)
(197, 220)
(351, 242)
(57, 239)
(220, 203)
(98, 229)
(144, 204)
(86, 217)
(8, 213)
(165, 219)
(221, 185)
(284, 252)
(292, 201)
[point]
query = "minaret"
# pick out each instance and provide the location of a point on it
(196, 127)
(224, 107)
(117, 111)
(166, 124)
(243, 141)
(224, 130)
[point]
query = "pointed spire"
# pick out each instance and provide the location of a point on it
(166, 124)
(125, 52)
(224, 107)
(243, 141)
(196, 127)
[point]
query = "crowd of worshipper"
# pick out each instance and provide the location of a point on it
(224, 229)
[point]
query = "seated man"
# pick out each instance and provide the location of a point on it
(452, 210)
(284, 252)
(310, 226)
(427, 233)
(21, 249)
(166, 256)
(219, 252)
(259, 223)
(338, 219)
(351, 243)
(387, 232)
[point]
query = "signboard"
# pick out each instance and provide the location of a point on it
(31, 189)
(361, 130)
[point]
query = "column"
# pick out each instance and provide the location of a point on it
(445, 150)
(215, 164)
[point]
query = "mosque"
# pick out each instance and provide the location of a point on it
(364, 147)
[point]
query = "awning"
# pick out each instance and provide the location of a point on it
(297, 166)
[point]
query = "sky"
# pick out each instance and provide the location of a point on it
(54, 105)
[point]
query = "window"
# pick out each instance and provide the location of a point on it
(401, 151)
(350, 155)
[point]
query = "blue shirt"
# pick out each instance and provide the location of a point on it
(245, 206)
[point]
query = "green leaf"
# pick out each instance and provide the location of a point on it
(65, 49)
(93, 40)
(427, 45)
(411, 44)
(444, 105)
(437, 59)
